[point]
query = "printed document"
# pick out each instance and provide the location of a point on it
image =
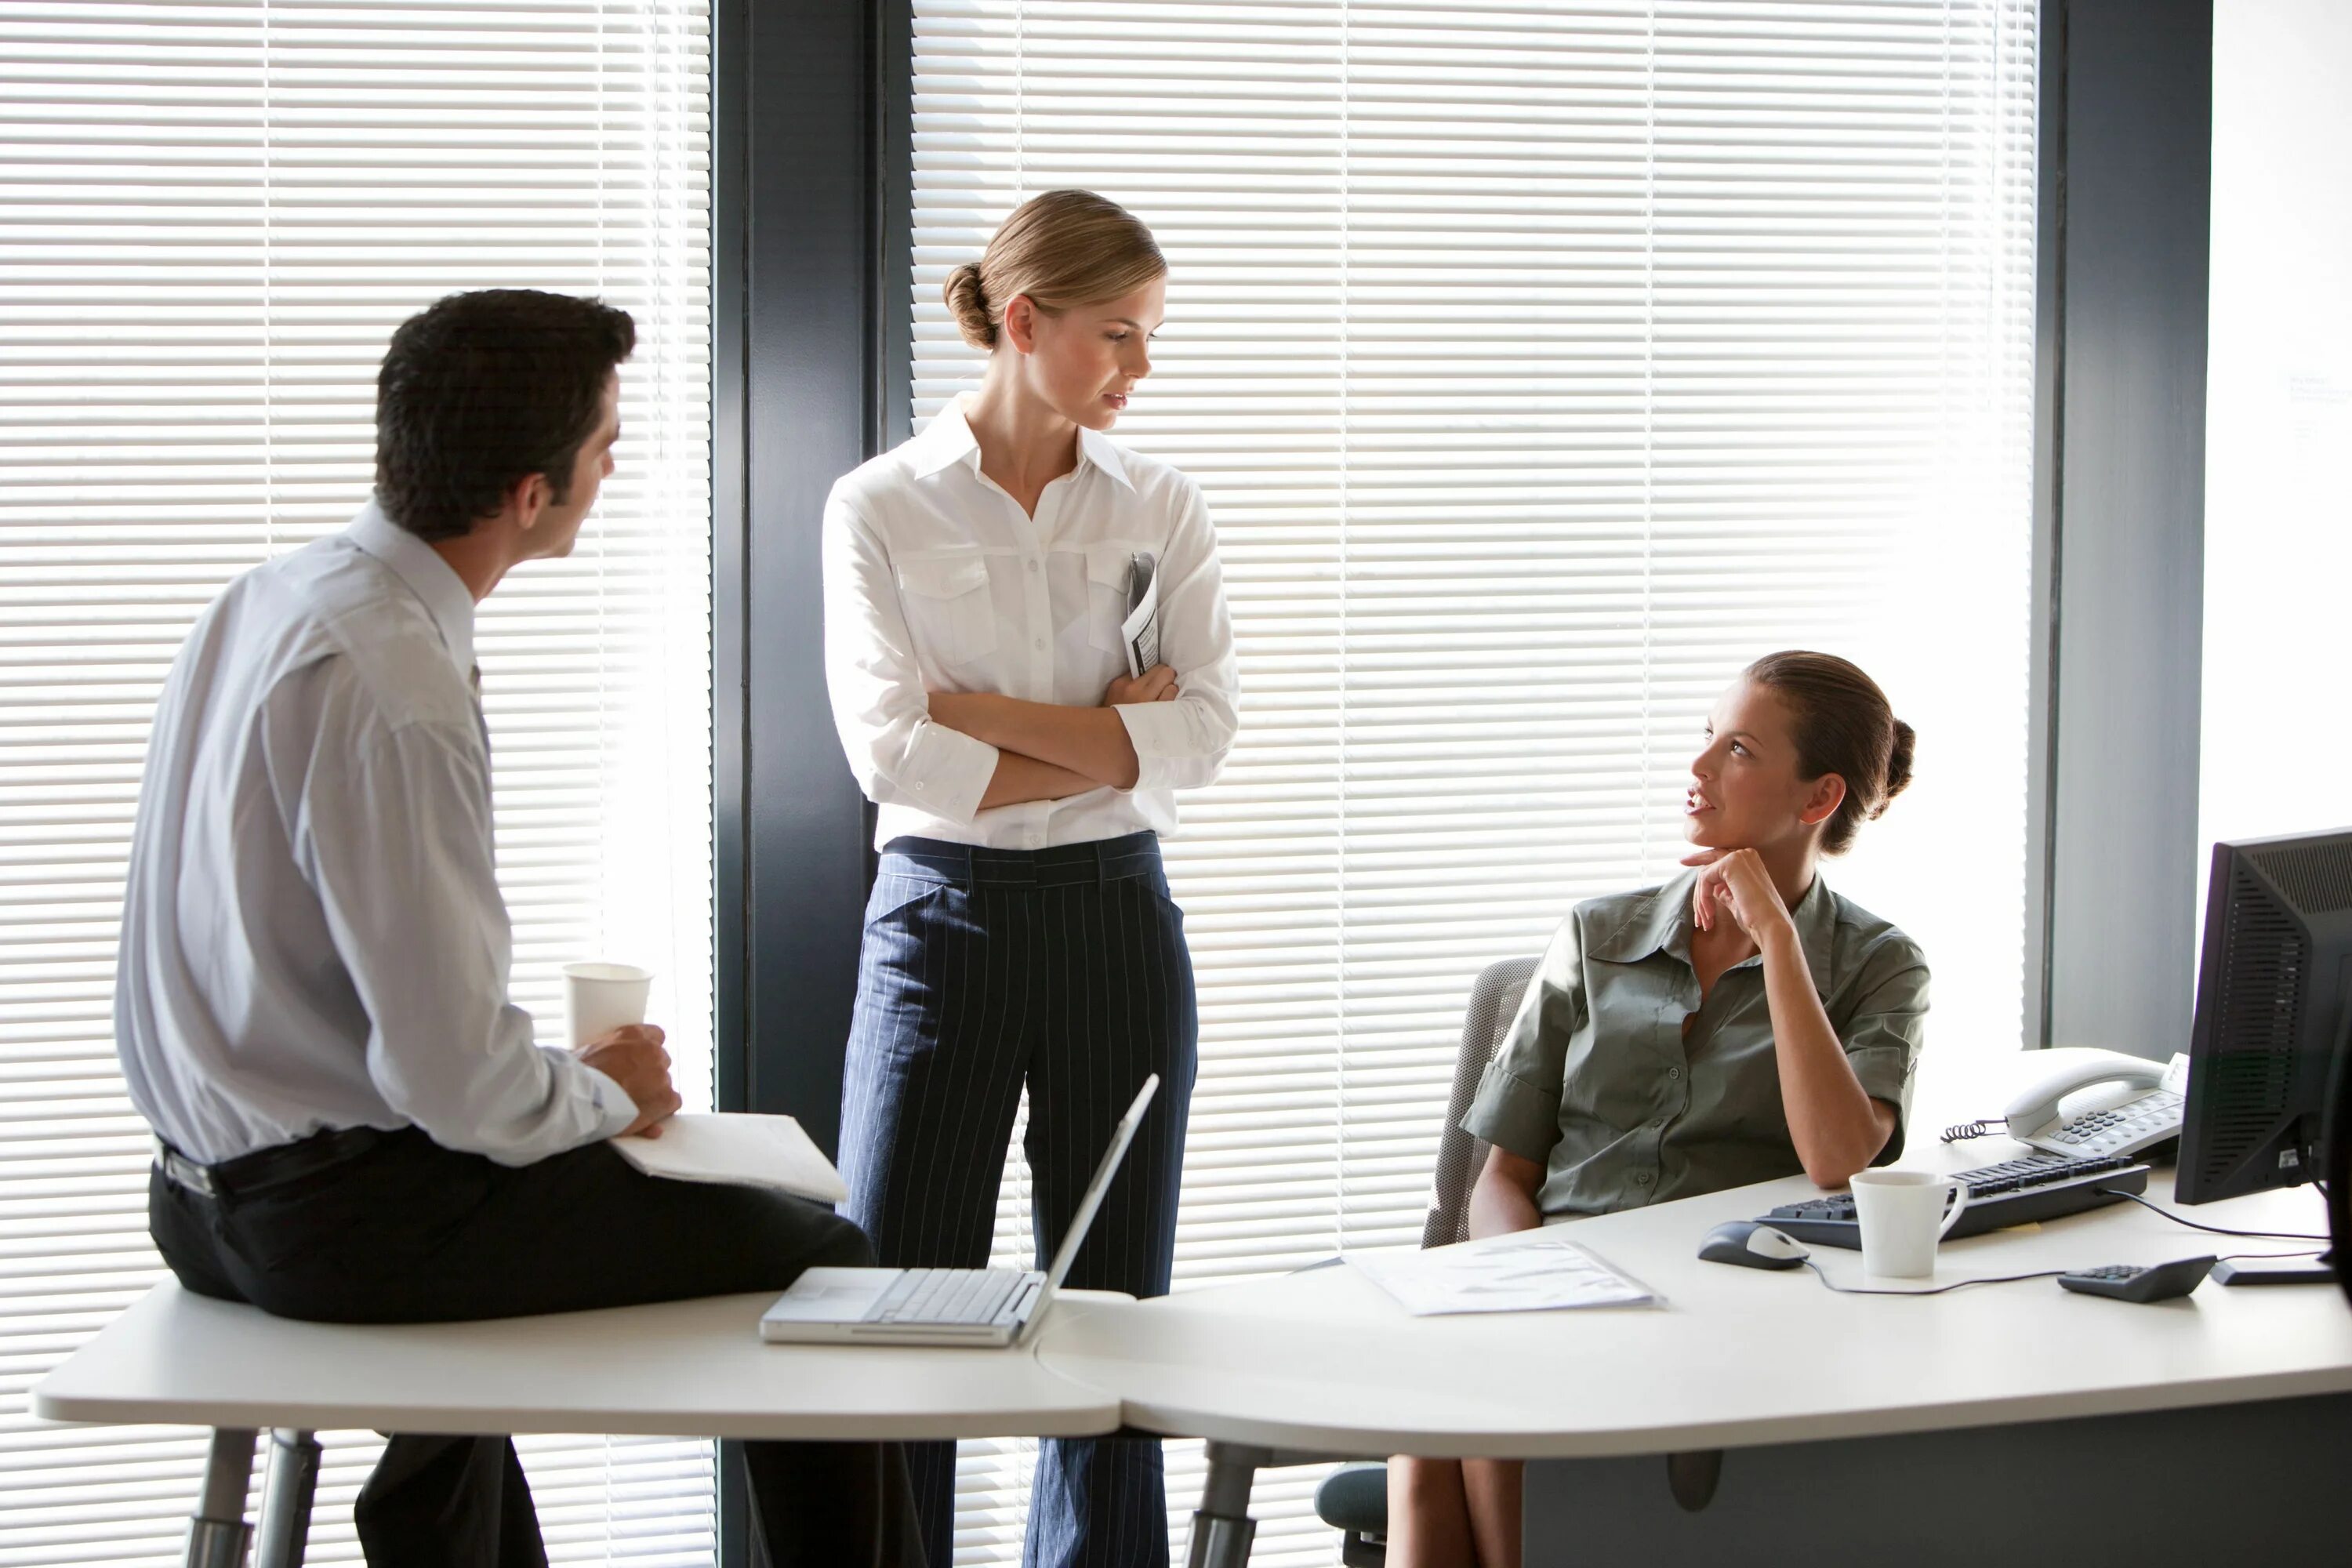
(1140, 630)
(1539, 1271)
(733, 1149)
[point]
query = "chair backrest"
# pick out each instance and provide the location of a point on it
(1494, 1003)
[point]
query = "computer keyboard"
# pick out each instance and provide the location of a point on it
(2015, 1192)
(950, 1295)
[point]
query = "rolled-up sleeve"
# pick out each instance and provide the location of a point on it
(395, 837)
(880, 706)
(1183, 743)
(1884, 1029)
(1518, 1103)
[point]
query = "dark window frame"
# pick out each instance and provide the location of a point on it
(2116, 688)
(811, 338)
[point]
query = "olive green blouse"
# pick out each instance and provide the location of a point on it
(1596, 1079)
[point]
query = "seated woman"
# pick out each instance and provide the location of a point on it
(1740, 1023)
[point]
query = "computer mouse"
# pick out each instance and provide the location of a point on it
(1751, 1244)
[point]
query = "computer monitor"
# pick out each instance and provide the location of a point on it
(2274, 1005)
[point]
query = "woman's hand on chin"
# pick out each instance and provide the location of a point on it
(1735, 882)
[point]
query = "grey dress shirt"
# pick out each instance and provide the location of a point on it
(1597, 1080)
(312, 933)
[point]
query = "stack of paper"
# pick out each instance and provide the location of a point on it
(1537, 1271)
(736, 1149)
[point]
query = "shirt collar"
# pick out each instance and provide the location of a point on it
(1660, 922)
(443, 593)
(949, 440)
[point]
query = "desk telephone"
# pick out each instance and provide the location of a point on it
(2142, 1110)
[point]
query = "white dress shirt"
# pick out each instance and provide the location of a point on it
(935, 580)
(312, 935)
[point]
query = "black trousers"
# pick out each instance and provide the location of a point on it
(409, 1232)
(1062, 971)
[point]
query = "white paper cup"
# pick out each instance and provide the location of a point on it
(599, 998)
(1902, 1217)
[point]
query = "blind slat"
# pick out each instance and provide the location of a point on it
(1542, 365)
(217, 214)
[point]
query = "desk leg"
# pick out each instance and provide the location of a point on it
(218, 1536)
(286, 1504)
(1222, 1527)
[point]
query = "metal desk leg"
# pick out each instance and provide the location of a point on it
(285, 1503)
(218, 1536)
(1222, 1527)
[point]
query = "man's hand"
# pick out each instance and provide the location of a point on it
(1736, 883)
(632, 1057)
(1156, 684)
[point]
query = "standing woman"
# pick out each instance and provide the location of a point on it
(1020, 930)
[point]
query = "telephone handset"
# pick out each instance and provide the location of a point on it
(2143, 1108)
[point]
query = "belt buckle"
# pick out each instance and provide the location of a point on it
(181, 1171)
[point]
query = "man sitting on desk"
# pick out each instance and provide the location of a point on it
(311, 1008)
(1740, 1023)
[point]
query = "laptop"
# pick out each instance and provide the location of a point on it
(943, 1306)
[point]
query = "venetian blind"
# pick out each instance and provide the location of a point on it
(1542, 363)
(214, 212)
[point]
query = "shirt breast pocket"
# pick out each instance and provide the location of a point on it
(1108, 567)
(949, 606)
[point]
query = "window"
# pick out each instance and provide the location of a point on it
(1542, 365)
(216, 213)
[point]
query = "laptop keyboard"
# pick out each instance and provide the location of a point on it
(947, 1295)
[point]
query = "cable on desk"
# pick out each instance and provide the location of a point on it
(1933, 1290)
(2250, 1256)
(1984, 1129)
(2217, 1230)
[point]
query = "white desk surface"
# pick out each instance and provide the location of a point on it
(1324, 1362)
(687, 1368)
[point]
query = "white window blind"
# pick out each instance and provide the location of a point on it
(212, 216)
(1542, 365)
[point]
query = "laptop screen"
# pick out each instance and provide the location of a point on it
(1121, 1136)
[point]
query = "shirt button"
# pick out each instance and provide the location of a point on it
(1673, 1072)
(1641, 1178)
(1033, 567)
(919, 787)
(1041, 645)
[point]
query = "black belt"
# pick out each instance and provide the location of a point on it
(266, 1168)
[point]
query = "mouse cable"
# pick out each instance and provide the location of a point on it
(1932, 1290)
(2250, 1257)
(1984, 1129)
(2217, 1230)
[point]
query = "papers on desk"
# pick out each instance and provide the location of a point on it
(732, 1149)
(1539, 1271)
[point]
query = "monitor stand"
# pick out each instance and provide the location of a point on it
(2319, 1270)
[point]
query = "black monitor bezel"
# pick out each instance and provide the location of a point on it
(2293, 1151)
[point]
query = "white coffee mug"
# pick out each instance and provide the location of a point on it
(598, 998)
(1902, 1217)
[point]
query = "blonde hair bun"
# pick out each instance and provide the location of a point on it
(968, 304)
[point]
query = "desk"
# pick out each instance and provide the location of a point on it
(694, 1369)
(1324, 1364)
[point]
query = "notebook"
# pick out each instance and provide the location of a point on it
(734, 1149)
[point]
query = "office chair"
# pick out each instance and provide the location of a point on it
(1354, 1498)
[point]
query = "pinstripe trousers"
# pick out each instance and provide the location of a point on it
(1064, 970)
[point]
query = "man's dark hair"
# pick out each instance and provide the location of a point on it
(483, 389)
